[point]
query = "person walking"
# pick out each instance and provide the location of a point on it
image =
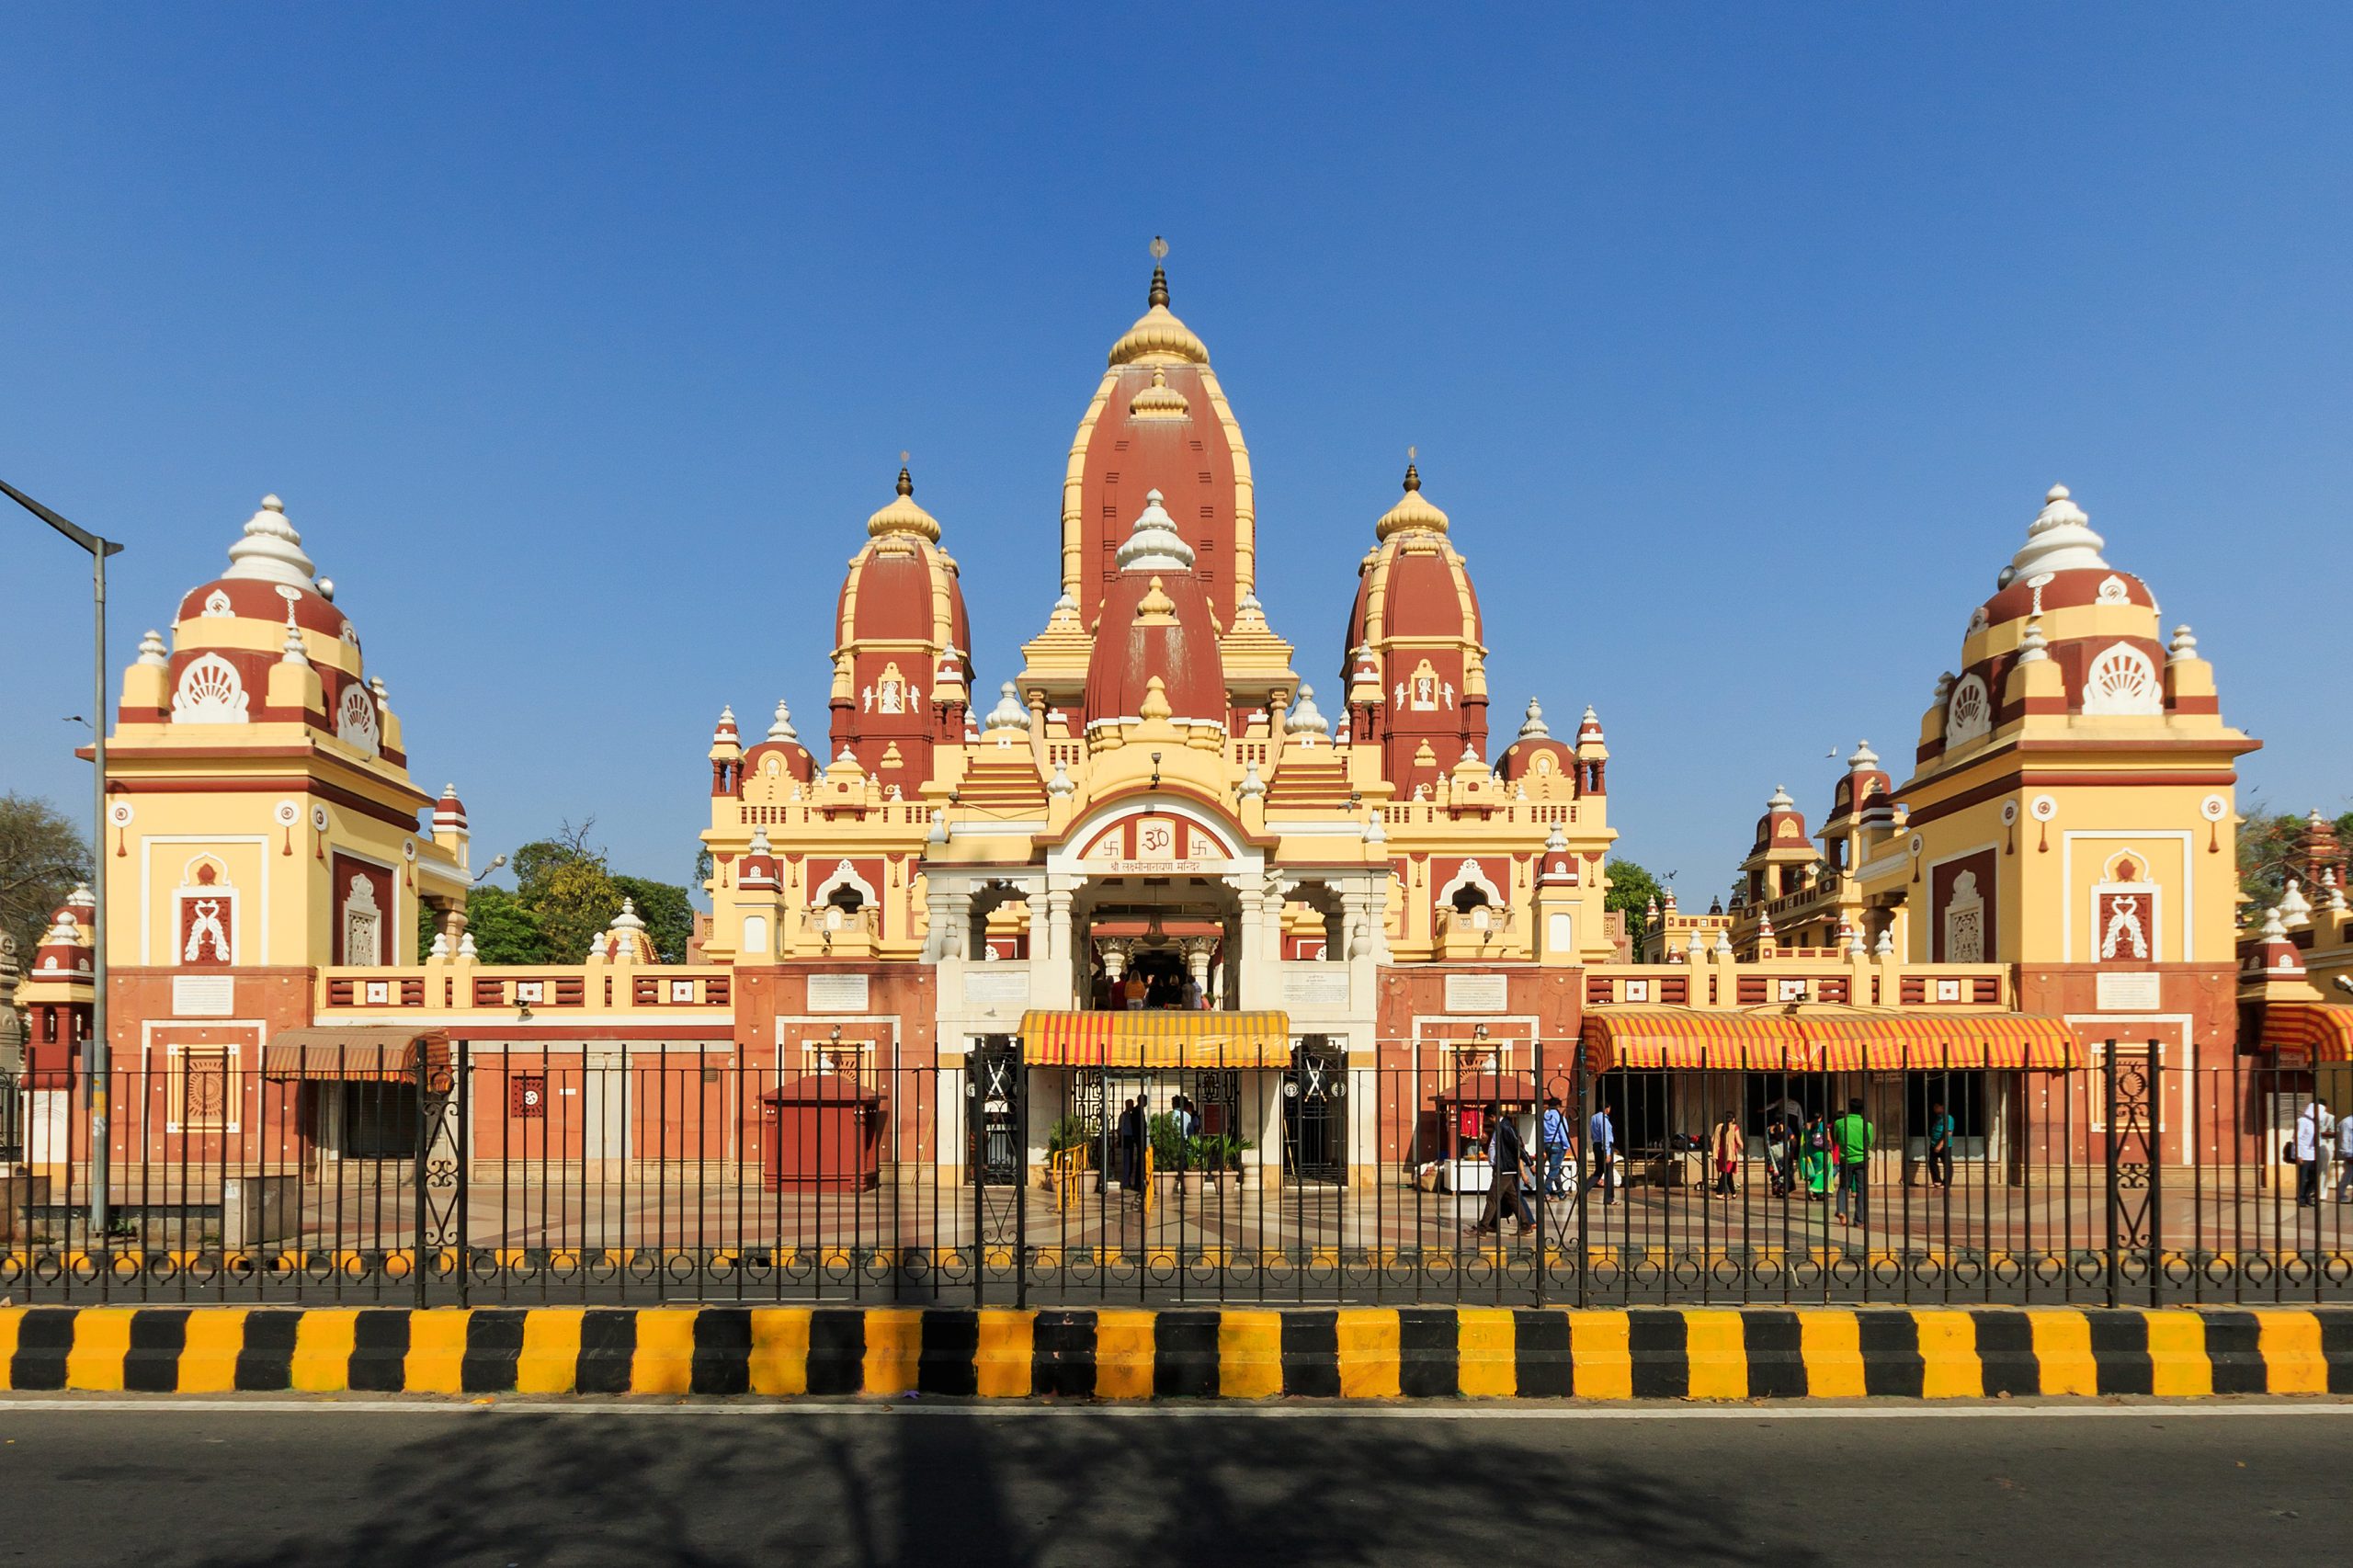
(2315, 1132)
(1506, 1163)
(1601, 1139)
(2344, 1159)
(1939, 1146)
(1729, 1144)
(1133, 1124)
(1854, 1137)
(1817, 1158)
(1555, 1139)
(1780, 1144)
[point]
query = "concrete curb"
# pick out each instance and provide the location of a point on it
(1348, 1353)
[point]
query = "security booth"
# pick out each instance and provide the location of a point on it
(823, 1132)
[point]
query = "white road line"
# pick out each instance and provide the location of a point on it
(819, 1410)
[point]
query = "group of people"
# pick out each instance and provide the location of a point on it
(2321, 1133)
(1512, 1170)
(1825, 1157)
(1137, 992)
(1828, 1157)
(1131, 1142)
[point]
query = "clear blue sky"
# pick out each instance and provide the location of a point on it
(1740, 341)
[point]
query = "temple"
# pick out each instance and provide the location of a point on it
(1171, 854)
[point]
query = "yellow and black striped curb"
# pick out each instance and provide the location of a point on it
(1349, 1353)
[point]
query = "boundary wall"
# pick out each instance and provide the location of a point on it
(1346, 1353)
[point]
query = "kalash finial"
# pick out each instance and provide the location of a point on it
(1413, 476)
(1159, 273)
(906, 480)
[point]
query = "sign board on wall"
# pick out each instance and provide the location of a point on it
(1478, 992)
(203, 996)
(2130, 993)
(837, 994)
(997, 986)
(1315, 985)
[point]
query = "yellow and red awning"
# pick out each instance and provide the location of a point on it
(1691, 1037)
(1164, 1038)
(1822, 1039)
(2320, 1031)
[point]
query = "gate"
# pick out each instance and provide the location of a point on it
(996, 1140)
(1315, 1123)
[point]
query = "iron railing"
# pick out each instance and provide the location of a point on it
(484, 1179)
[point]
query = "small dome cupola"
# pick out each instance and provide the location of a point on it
(1158, 337)
(903, 515)
(1413, 512)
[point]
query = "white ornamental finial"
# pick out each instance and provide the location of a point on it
(294, 653)
(1008, 713)
(2294, 907)
(1153, 544)
(271, 552)
(1306, 716)
(781, 727)
(2184, 646)
(2033, 646)
(1251, 786)
(1535, 728)
(2059, 539)
(151, 649)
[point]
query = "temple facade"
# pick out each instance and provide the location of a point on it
(1169, 853)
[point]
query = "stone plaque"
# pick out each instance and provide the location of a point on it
(1477, 993)
(997, 986)
(2130, 993)
(837, 994)
(1315, 985)
(203, 996)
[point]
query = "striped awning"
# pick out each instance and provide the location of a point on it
(1165, 1037)
(1691, 1037)
(1856, 1039)
(2319, 1031)
(1822, 1039)
(348, 1054)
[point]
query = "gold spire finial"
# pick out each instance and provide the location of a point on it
(1159, 273)
(906, 480)
(1413, 474)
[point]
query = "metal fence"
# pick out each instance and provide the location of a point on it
(477, 1180)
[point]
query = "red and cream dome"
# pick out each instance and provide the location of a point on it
(1536, 750)
(1159, 421)
(900, 683)
(2058, 599)
(1157, 625)
(266, 610)
(1418, 616)
(65, 949)
(1865, 790)
(781, 751)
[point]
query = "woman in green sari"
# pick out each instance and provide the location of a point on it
(1816, 1159)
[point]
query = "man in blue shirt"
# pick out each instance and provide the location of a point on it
(1556, 1145)
(1603, 1140)
(1939, 1146)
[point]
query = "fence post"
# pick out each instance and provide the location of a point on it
(2108, 1120)
(1020, 1176)
(1543, 1167)
(2155, 1144)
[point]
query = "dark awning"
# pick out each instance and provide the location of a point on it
(372, 1053)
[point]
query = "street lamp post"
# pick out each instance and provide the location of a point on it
(97, 1061)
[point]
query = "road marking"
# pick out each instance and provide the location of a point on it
(2146, 1409)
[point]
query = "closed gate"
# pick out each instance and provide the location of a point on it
(1315, 1121)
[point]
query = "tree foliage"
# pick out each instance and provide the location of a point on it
(1631, 889)
(2266, 844)
(565, 896)
(42, 855)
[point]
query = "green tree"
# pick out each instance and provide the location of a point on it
(668, 914)
(1631, 889)
(42, 855)
(2266, 843)
(506, 932)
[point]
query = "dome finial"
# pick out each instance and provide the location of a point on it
(906, 478)
(903, 515)
(1159, 273)
(1413, 474)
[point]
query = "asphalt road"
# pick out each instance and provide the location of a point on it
(367, 1484)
